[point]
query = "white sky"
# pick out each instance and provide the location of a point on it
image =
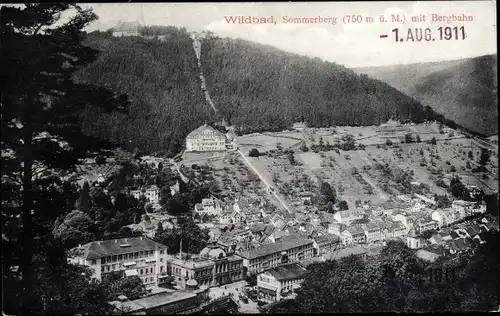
(352, 45)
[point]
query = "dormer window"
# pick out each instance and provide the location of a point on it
(124, 245)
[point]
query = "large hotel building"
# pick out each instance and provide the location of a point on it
(139, 256)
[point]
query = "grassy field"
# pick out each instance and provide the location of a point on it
(229, 173)
(372, 173)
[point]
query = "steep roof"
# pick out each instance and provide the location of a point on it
(276, 247)
(99, 249)
(326, 238)
(205, 131)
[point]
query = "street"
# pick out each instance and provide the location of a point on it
(235, 288)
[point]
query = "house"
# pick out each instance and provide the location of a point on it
(436, 239)
(347, 216)
(466, 208)
(292, 249)
(205, 138)
(372, 232)
(446, 216)
(151, 193)
(126, 29)
(336, 228)
(306, 197)
(398, 230)
(414, 240)
(228, 218)
(424, 224)
(212, 267)
(425, 199)
(209, 206)
(174, 189)
(278, 221)
(275, 283)
(278, 235)
(353, 235)
(401, 217)
(326, 243)
(457, 246)
(139, 256)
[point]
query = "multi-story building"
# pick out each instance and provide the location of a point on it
(353, 235)
(212, 267)
(326, 243)
(289, 249)
(126, 29)
(205, 138)
(466, 208)
(151, 193)
(424, 224)
(346, 217)
(398, 230)
(139, 256)
(209, 206)
(372, 232)
(447, 216)
(336, 228)
(274, 284)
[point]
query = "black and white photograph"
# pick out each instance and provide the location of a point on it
(249, 158)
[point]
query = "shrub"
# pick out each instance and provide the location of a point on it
(254, 153)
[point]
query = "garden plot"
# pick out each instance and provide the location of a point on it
(226, 176)
(264, 142)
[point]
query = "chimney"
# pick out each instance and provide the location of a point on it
(99, 242)
(125, 239)
(141, 237)
(79, 245)
(116, 241)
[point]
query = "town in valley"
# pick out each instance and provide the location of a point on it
(240, 222)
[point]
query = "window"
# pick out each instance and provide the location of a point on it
(142, 271)
(114, 266)
(93, 262)
(119, 257)
(161, 259)
(161, 269)
(109, 268)
(161, 252)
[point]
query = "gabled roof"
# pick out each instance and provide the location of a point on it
(326, 238)
(273, 248)
(355, 230)
(205, 131)
(99, 249)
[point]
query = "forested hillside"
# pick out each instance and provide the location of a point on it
(464, 91)
(255, 87)
(258, 87)
(161, 79)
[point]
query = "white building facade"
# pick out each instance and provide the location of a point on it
(205, 138)
(138, 256)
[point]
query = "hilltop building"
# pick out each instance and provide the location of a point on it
(205, 138)
(126, 29)
(139, 256)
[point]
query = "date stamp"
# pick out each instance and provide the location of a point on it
(428, 34)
